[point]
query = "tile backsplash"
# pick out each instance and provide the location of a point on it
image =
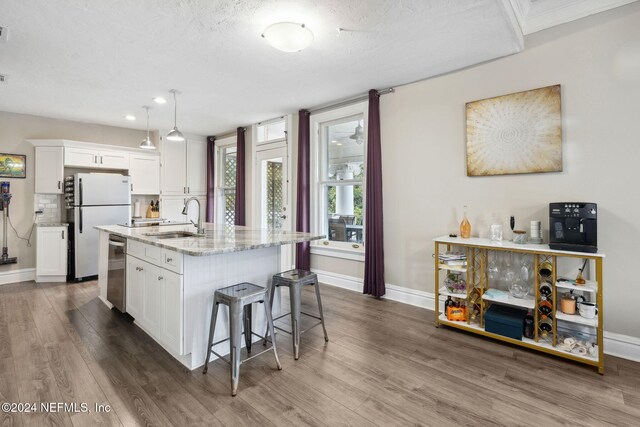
(50, 205)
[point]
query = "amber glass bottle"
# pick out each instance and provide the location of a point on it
(465, 226)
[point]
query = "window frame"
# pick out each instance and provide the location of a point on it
(318, 167)
(221, 145)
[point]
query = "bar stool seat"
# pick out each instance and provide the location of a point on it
(295, 280)
(239, 299)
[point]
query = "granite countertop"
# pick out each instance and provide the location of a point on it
(52, 224)
(218, 239)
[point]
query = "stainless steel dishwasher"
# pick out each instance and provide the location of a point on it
(116, 276)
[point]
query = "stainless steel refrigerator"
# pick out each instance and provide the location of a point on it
(93, 199)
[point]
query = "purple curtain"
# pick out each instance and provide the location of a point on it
(240, 214)
(211, 149)
(373, 243)
(303, 250)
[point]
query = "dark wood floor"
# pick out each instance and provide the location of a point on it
(386, 365)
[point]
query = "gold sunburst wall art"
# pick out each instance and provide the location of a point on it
(516, 133)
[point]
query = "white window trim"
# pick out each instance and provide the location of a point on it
(221, 144)
(326, 247)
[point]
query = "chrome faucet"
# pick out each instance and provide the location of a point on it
(186, 209)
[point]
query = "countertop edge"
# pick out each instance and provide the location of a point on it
(203, 252)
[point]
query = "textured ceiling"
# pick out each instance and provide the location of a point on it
(96, 61)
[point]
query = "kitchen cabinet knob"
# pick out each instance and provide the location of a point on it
(160, 277)
(59, 185)
(169, 259)
(188, 190)
(101, 159)
(184, 190)
(95, 159)
(62, 234)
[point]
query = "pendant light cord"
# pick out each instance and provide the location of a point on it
(175, 110)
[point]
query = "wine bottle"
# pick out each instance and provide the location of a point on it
(465, 226)
(528, 325)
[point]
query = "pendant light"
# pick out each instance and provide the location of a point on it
(358, 135)
(146, 143)
(175, 134)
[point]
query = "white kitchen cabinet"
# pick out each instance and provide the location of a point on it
(172, 323)
(171, 209)
(135, 286)
(145, 174)
(92, 158)
(196, 167)
(49, 177)
(153, 299)
(109, 159)
(153, 303)
(80, 157)
(51, 254)
(184, 167)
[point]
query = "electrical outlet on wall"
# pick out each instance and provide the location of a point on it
(4, 34)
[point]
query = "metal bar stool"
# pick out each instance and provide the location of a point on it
(239, 299)
(295, 280)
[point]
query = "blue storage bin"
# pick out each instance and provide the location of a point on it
(505, 320)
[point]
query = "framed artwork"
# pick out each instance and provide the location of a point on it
(13, 166)
(516, 133)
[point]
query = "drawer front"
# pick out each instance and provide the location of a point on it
(172, 260)
(145, 252)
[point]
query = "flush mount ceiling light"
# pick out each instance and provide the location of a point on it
(146, 143)
(288, 36)
(130, 117)
(159, 100)
(358, 135)
(174, 134)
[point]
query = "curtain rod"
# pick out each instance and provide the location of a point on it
(348, 101)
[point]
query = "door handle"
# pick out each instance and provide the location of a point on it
(283, 216)
(80, 218)
(131, 187)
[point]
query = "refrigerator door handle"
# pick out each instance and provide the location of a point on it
(80, 191)
(80, 220)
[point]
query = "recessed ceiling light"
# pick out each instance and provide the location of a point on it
(333, 141)
(339, 143)
(288, 36)
(159, 100)
(130, 117)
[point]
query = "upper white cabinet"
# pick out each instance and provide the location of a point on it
(94, 158)
(184, 167)
(196, 167)
(144, 170)
(49, 170)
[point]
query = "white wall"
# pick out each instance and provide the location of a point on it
(597, 62)
(14, 130)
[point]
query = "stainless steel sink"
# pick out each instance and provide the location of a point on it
(173, 234)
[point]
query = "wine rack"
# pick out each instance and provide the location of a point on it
(543, 302)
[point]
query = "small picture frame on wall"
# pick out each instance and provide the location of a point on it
(13, 166)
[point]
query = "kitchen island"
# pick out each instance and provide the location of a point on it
(171, 276)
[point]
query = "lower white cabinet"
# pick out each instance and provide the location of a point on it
(51, 254)
(153, 299)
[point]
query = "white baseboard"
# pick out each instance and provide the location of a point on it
(15, 276)
(623, 346)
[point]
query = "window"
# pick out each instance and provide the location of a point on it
(338, 166)
(271, 131)
(226, 200)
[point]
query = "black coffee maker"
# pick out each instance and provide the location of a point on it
(573, 226)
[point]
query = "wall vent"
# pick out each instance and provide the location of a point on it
(4, 34)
